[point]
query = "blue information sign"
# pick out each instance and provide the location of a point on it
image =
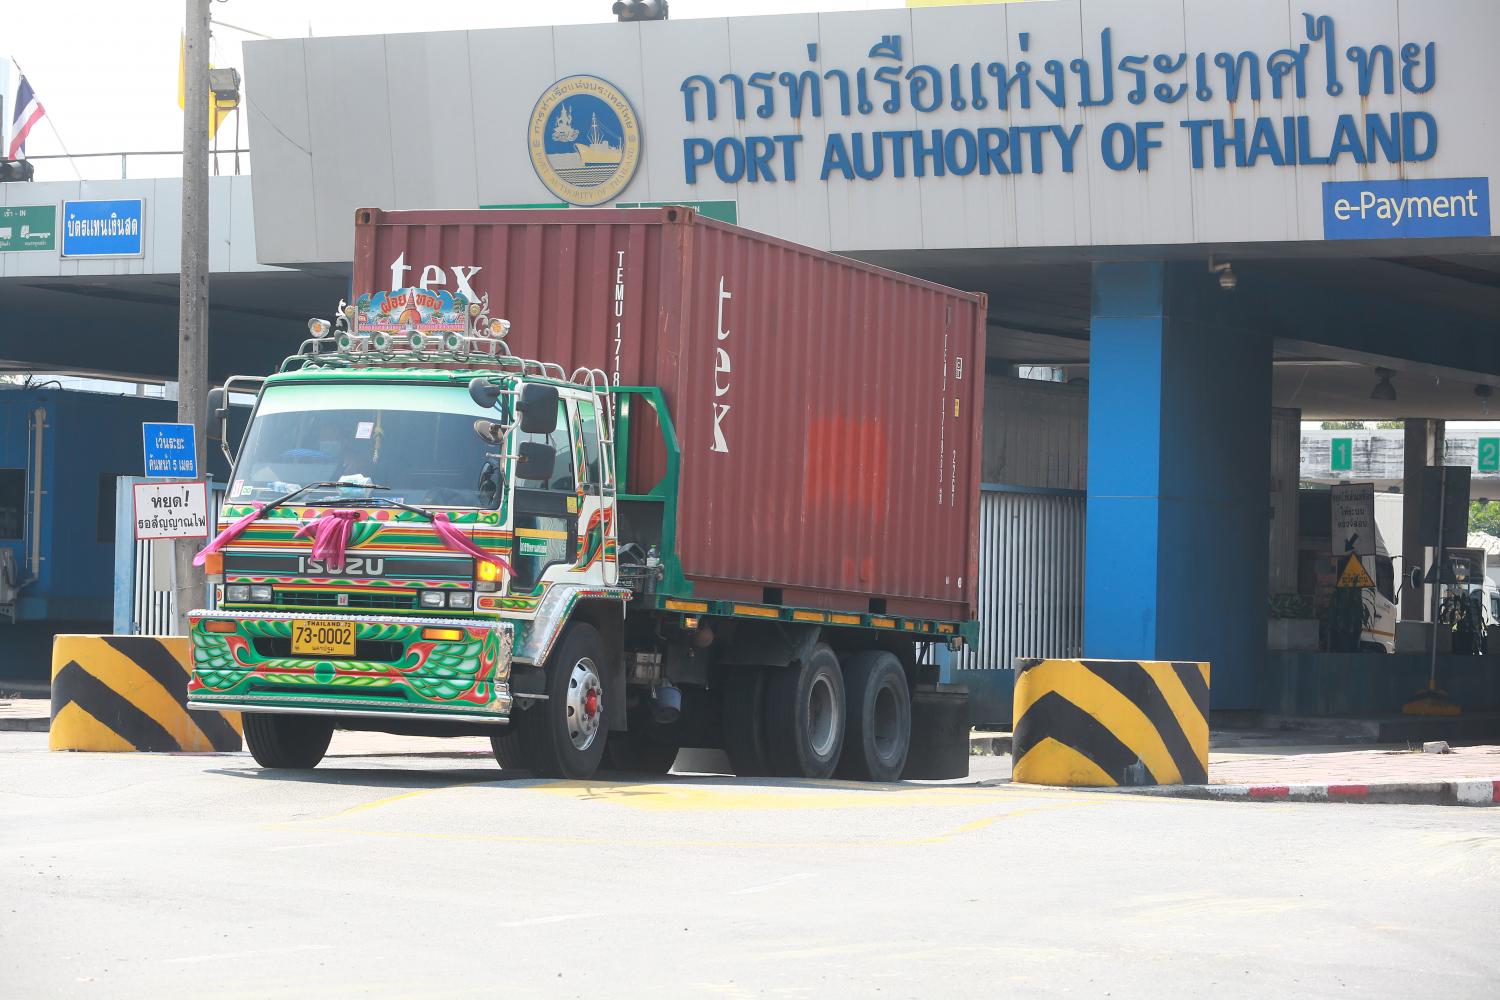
(171, 451)
(1375, 210)
(102, 228)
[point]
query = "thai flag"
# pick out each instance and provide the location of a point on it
(29, 111)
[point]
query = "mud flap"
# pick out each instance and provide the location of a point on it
(939, 732)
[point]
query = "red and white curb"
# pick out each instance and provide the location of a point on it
(1463, 792)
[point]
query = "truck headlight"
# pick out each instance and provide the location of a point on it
(461, 600)
(236, 594)
(433, 599)
(261, 593)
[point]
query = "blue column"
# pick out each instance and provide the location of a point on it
(1179, 467)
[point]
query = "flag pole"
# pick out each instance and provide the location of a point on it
(48, 118)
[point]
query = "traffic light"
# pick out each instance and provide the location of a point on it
(16, 170)
(641, 10)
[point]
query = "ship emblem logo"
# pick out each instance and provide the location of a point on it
(585, 140)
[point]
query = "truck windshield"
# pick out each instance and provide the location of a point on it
(417, 440)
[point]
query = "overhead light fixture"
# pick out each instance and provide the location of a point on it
(1225, 271)
(1384, 390)
(1484, 392)
(641, 10)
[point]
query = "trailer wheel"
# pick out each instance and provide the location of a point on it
(506, 745)
(805, 716)
(878, 735)
(638, 753)
(564, 736)
(287, 741)
(744, 725)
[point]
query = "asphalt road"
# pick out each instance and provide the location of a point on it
(432, 876)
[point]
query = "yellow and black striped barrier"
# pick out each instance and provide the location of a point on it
(129, 692)
(1101, 723)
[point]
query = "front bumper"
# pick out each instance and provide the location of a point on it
(395, 672)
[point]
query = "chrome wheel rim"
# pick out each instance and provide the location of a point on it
(823, 723)
(584, 704)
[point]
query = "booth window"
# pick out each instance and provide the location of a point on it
(12, 503)
(108, 483)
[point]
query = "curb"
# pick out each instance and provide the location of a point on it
(40, 724)
(1462, 792)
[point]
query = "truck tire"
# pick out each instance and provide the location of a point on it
(805, 713)
(506, 745)
(877, 737)
(638, 753)
(295, 742)
(744, 725)
(564, 736)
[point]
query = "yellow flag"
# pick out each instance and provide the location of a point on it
(216, 112)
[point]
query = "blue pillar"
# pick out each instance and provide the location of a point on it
(1179, 470)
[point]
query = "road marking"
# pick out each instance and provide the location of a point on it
(773, 884)
(232, 955)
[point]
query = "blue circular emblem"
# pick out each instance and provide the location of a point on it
(585, 140)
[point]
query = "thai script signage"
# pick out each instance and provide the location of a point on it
(1372, 210)
(416, 309)
(855, 102)
(171, 451)
(103, 228)
(28, 227)
(171, 510)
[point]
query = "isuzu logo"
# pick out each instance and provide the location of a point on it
(353, 565)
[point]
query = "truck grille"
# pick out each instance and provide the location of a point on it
(374, 650)
(330, 599)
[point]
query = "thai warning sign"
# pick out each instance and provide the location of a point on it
(1353, 574)
(1353, 508)
(171, 510)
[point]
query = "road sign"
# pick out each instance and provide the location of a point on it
(171, 510)
(28, 227)
(171, 451)
(1353, 526)
(1341, 455)
(1353, 574)
(103, 228)
(1489, 455)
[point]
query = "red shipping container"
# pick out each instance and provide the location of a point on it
(828, 410)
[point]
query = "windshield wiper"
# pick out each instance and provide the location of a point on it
(289, 497)
(361, 501)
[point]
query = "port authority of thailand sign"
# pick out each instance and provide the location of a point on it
(171, 510)
(28, 227)
(585, 140)
(171, 451)
(103, 228)
(1353, 510)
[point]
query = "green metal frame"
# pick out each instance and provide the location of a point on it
(664, 492)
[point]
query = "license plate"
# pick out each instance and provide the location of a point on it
(315, 638)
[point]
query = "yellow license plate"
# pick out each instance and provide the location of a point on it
(315, 638)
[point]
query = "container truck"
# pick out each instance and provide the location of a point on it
(602, 484)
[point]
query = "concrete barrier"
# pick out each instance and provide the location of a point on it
(1103, 723)
(129, 692)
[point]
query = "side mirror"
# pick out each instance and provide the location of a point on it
(538, 408)
(218, 414)
(1415, 579)
(484, 392)
(489, 431)
(535, 460)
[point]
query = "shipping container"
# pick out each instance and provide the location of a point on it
(828, 410)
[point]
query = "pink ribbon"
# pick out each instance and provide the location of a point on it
(228, 535)
(459, 542)
(331, 535)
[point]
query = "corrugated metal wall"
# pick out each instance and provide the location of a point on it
(1031, 537)
(1030, 592)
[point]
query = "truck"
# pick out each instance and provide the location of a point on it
(603, 484)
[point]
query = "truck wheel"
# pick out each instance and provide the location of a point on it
(506, 745)
(878, 735)
(563, 737)
(805, 716)
(287, 741)
(638, 753)
(745, 721)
